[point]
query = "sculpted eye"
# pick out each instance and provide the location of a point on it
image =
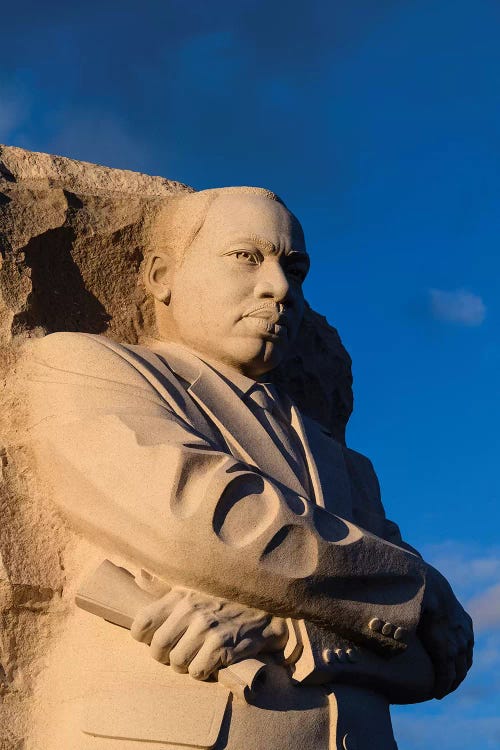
(296, 266)
(297, 273)
(247, 257)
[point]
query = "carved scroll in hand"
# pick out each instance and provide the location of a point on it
(112, 593)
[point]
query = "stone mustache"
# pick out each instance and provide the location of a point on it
(255, 533)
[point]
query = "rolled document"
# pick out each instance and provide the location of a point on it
(112, 593)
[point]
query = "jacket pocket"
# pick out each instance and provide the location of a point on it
(140, 712)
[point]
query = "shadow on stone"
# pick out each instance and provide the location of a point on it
(59, 300)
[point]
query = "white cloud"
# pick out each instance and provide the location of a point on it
(459, 306)
(474, 573)
(487, 658)
(470, 568)
(484, 609)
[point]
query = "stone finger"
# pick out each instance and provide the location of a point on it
(209, 658)
(186, 648)
(469, 654)
(445, 677)
(150, 618)
(246, 649)
(462, 641)
(169, 633)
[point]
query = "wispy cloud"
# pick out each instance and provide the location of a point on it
(470, 568)
(458, 306)
(486, 660)
(485, 609)
(474, 573)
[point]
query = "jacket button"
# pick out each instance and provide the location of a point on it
(328, 655)
(351, 655)
(388, 629)
(339, 653)
(349, 742)
(375, 624)
(400, 634)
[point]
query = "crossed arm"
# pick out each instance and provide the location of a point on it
(199, 633)
(130, 472)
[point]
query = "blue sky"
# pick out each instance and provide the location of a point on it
(378, 122)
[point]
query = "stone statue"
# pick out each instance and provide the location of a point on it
(258, 542)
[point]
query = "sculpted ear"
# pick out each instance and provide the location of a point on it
(157, 276)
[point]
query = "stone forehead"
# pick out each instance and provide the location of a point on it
(180, 222)
(229, 209)
(237, 190)
(247, 216)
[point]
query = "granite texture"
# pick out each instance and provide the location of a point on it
(72, 241)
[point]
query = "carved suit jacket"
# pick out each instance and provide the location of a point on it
(157, 457)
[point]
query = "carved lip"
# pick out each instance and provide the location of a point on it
(272, 313)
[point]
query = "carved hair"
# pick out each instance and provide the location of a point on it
(181, 218)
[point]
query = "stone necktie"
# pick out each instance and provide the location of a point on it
(278, 424)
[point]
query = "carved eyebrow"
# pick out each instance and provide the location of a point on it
(298, 254)
(259, 242)
(270, 247)
(297, 257)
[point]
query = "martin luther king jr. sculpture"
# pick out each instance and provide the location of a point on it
(260, 538)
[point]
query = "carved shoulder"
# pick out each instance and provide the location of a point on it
(77, 372)
(79, 354)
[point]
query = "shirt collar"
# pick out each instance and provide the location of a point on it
(241, 383)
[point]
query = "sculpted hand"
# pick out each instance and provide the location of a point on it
(199, 634)
(446, 632)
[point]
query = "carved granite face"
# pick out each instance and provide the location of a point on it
(237, 295)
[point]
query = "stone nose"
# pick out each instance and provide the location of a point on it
(272, 282)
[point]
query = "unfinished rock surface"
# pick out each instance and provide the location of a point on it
(72, 240)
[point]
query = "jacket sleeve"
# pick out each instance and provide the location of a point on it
(134, 476)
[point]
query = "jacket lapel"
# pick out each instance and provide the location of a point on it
(327, 466)
(157, 372)
(246, 438)
(298, 425)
